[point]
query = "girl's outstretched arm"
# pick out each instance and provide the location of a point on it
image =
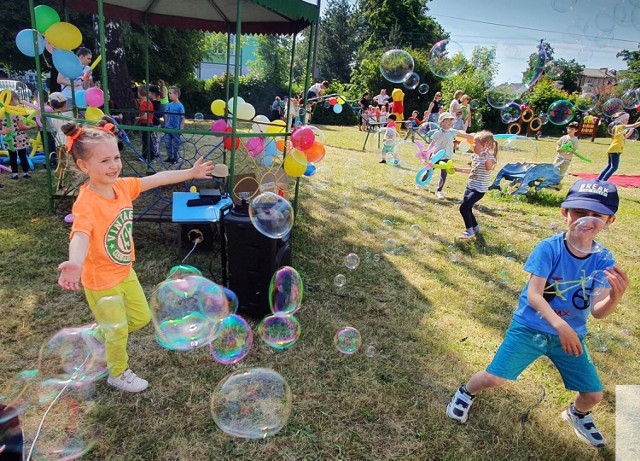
(71, 270)
(200, 170)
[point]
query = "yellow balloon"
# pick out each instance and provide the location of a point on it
(64, 35)
(295, 164)
(339, 100)
(217, 107)
(5, 97)
(17, 110)
(277, 126)
(93, 114)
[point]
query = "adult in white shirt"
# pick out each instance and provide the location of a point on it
(381, 98)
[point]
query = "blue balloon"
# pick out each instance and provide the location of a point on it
(24, 42)
(266, 160)
(270, 148)
(67, 63)
(337, 108)
(81, 100)
(311, 169)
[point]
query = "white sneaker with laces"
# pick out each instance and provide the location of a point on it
(584, 427)
(128, 382)
(459, 406)
(439, 195)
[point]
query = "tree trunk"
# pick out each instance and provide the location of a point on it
(119, 82)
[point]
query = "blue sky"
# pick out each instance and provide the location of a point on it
(589, 31)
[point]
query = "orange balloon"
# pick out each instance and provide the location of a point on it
(315, 153)
(280, 145)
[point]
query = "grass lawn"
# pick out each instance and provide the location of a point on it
(431, 310)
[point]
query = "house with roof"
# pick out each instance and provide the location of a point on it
(598, 81)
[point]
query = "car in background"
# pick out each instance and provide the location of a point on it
(19, 87)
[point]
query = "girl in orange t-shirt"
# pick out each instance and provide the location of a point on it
(101, 250)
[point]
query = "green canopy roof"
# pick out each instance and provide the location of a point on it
(272, 17)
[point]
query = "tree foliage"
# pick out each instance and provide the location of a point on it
(337, 42)
(396, 24)
(272, 59)
(632, 75)
(570, 73)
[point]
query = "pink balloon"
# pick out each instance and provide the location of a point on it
(303, 138)
(219, 125)
(255, 146)
(94, 97)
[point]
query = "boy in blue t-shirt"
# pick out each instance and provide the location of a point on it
(173, 119)
(572, 276)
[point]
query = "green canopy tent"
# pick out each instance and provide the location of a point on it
(271, 17)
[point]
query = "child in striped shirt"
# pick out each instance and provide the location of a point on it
(483, 160)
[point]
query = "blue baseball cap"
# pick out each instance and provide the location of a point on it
(593, 195)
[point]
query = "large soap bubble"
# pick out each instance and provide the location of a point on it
(396, 65)
(251, 404)
(347, 340)
(187, 312)
(519, 149)
(500, 95)
(561, 112)
(285, 291)
(446, 59)
(271, 215)
(233, 340)
(279, 331)
(586, 102)
(510, 113)
(612, 106)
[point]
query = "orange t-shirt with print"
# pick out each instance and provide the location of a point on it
(108, 223)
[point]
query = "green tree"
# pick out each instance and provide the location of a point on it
(396, 24)
(632, 74)
(337, 43)
(569, 74)
(273, 58)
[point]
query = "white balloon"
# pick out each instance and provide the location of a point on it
(258, 127)
(230, 104)
(246, 111)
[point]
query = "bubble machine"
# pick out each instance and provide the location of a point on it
(252, 258)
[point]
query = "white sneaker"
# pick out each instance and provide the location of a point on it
(467, 234)
(128, 382)
(459, 406)
(439, 195)
(95, 346)
(584, 427)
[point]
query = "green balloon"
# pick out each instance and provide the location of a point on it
(45, 17)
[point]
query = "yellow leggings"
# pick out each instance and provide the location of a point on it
(124, 305)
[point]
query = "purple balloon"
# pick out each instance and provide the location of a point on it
(219, 125)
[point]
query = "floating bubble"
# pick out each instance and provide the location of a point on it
(390, 246)
(251, 404)
(543, 117)
(396, 65)
(233, 341)
(386, 227)
(371, 351)
(285, 291)
(511, 112)
(553, 70)
(376, 257)
(630, 99)
(66, 357)
(501, 95)
(412, 81)
(198, 116)
(426, 130)
(611, 106)
(446, 59)
(19, 393)
(474, 104)
(187, 312)
(232, 300)
(279, 332)
(271, 215)
(612, 126)
(582, 232)
(539, 340)
(519, 148)
(67, 432)
(415, 232)
(340, 280)
(563, 6)
(352, 261)
(347, 340)
(633, 136)
(596, 283)
(586, 102)
(561, 112)
(181, 271)
(423, 88)
(323, 177)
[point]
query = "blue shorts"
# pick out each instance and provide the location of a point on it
(523, 345)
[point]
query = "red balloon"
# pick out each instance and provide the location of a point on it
(303, 138)
(227, 139)
(333, 101)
